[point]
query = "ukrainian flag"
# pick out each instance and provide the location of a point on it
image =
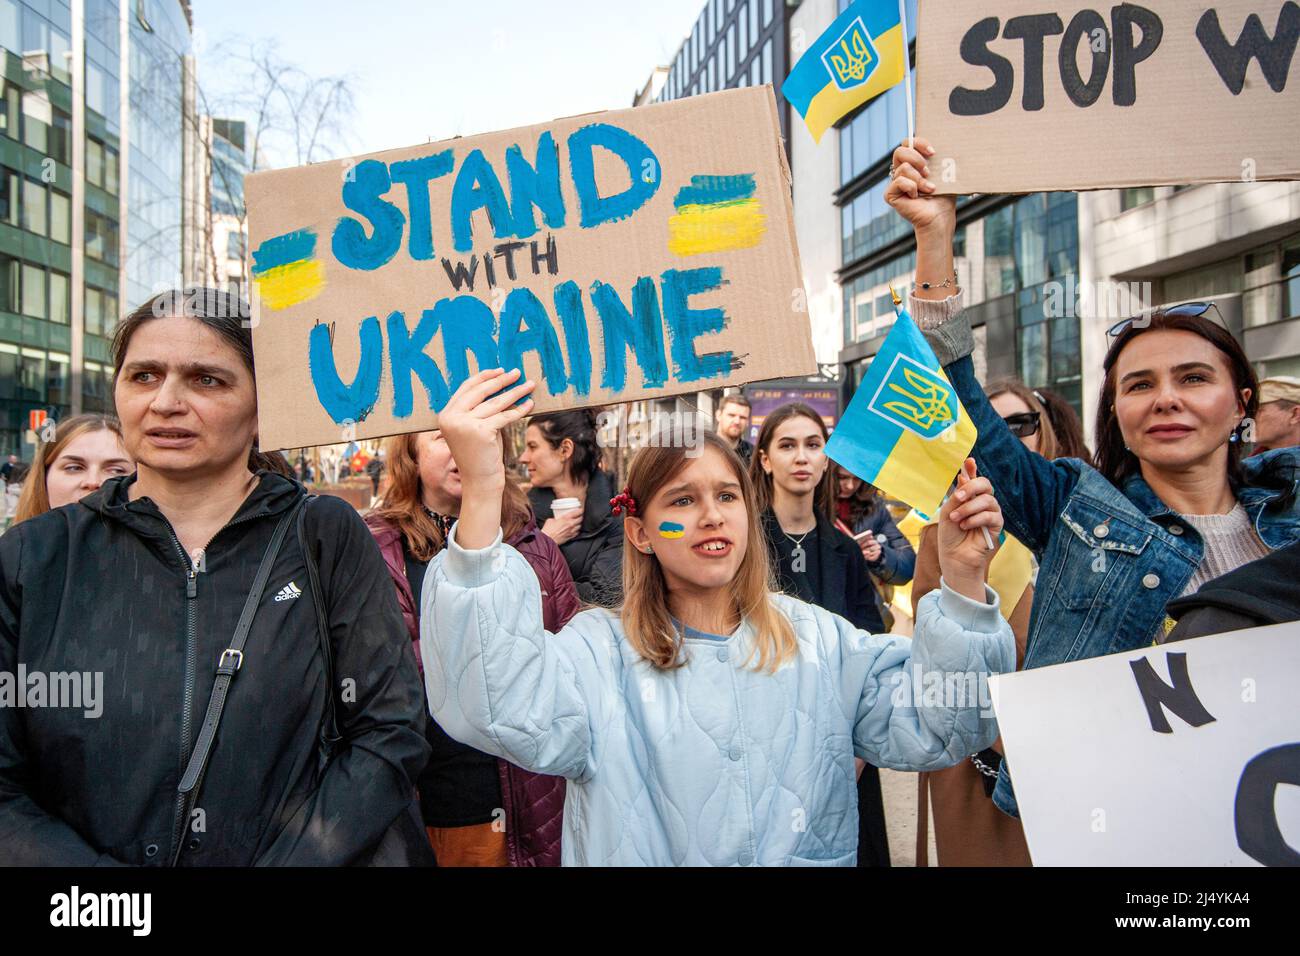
(905, 431)
(862, 54)
(286, 270)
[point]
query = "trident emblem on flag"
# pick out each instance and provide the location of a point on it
(852, 57)
(915, 398)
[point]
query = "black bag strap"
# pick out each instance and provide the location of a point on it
(329, 731)
(232, 658)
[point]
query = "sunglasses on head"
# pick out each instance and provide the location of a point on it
(1022, 424)
(1187, 308)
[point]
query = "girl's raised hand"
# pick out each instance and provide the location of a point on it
(971, 510)
(472, 420)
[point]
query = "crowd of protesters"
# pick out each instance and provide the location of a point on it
(695, 668)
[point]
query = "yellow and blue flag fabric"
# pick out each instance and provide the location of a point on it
(861, 55)
(905, 431)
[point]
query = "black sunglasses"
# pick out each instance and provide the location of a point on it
(1023, 424)
(1187, 308)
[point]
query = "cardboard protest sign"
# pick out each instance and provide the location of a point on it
(613, 257)
(1171, 756)
(1064, 94)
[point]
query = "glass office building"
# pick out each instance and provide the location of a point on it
(1008, 251)
(77, 249)
(732, 44)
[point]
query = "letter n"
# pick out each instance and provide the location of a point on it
(1179, 696)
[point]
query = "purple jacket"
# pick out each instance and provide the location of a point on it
(534, 804)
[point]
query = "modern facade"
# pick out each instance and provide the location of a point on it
(91, 221)
(216, 243)
(734, 43)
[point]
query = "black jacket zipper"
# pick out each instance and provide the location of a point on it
(191, 667)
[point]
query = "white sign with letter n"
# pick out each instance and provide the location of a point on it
(1185, 754)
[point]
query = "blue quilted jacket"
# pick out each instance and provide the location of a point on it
(713, 763)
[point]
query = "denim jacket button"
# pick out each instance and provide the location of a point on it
(1101, 531)
(1151, 581)
(1175, 529)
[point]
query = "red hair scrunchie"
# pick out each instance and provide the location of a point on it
(623, 502)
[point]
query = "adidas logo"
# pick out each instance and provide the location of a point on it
(289, 592)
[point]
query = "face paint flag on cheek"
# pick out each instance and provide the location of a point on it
(671, 529)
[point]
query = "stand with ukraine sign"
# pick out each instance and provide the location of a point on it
(862, 54)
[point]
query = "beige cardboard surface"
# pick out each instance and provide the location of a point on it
(720, 298)
(1184, 125)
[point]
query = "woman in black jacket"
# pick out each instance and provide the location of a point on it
(563, 461)
(815, 561)
(134, 595)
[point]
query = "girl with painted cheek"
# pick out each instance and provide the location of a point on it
(706, 721)
(86, 451)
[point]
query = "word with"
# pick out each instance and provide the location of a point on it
(103, 909)
(460, 276)
(77, 690)
(1114, 53)
(468, 327)
(478, 187)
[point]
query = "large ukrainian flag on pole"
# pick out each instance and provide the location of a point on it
(862, 54)
(905, 431)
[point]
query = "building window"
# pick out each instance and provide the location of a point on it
(753, 20)
(101, 238)
(61, 137)
(1132, 198)
(742, 20)
(9, 282)
(59, 301)
(95, 162)
(56, 380)
(767, 60)
(60, 217)
(34, 211)
(33, 291)
(235, 245)
(10, 202)
(756, 72)
(31, 376)
(10, 111)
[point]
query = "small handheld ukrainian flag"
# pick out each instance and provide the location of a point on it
(905, 431)
(862, 54)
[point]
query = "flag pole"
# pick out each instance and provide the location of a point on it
(907, 76)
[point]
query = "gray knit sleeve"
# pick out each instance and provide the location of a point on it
(944, 325)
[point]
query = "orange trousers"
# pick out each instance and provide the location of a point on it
(477, 845)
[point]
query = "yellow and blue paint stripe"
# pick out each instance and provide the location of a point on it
(671, 529)
(862, 54)
(286, 270)
(715, 214)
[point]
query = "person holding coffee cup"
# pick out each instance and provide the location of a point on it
(570, 496)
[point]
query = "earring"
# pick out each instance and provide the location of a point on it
(1234, 437)
(649, 549)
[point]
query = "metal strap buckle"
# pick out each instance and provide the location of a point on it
(231, 652)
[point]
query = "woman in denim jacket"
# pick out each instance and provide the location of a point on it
(1172, 501)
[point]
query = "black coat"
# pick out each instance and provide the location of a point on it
(595, 556)
(1254, 595)
(846, 581)
(100, 586)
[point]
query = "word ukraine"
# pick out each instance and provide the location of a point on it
(654, 319)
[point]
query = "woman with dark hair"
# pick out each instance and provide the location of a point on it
(1172, 501)
(563, 459)
(258, 699)
(85, 451)
(814, 561)
(861, 508)
(479, 810)
(1065, 425)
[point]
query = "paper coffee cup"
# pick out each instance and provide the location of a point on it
(562, 506)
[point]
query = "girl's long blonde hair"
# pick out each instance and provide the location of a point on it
(35, 497)
(645, 614)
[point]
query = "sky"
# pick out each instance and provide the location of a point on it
(431, 69)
